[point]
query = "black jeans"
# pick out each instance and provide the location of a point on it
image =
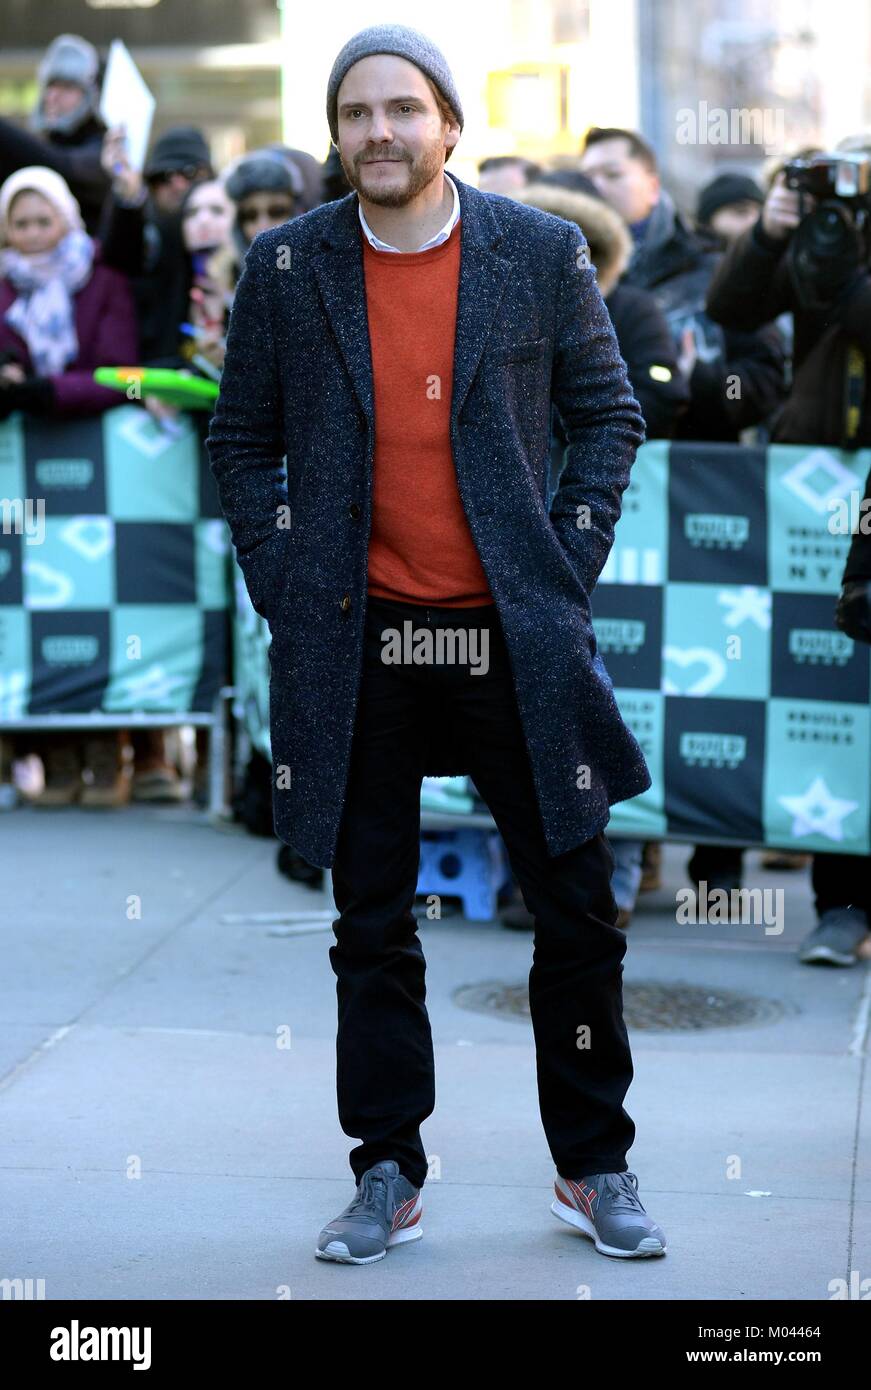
(385, 1071)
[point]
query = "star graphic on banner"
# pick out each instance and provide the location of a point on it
(746, 602)
(817, 811)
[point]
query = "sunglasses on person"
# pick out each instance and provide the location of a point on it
(276, 212)
(189, 171)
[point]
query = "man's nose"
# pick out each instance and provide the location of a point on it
(380, 131)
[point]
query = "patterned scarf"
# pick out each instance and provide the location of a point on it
(43, 312)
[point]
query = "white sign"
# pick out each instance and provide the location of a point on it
(126, 100)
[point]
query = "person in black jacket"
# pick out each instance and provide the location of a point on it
(756, 282)
(645, 341)
(677, 264)
(66, 133)
(143, 233)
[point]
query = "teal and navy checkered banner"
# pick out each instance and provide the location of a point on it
(715, 618)
(115, 568)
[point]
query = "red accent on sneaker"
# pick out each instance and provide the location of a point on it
(583, 1196)
(403, 1212)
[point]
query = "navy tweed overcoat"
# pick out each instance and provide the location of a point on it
(291, 447)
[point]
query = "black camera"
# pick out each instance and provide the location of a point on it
(832, 242)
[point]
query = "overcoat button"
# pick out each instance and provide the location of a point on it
(355, 511)
(346, 603)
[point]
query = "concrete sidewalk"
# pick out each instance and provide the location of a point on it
(143, 1039)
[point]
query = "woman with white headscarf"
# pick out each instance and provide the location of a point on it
(62, 313)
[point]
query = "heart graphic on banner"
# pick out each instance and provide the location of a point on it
(702, 684)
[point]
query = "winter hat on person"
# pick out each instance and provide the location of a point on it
(261, 171)
(726, 189)
(182, 146)
(403, 42)
(68, 58)
(47, 182)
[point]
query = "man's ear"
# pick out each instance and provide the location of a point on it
(452, 134)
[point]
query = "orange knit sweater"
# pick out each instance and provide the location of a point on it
(421, 549)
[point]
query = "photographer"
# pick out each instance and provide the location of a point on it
(809, 254)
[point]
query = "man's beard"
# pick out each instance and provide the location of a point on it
(421, 173)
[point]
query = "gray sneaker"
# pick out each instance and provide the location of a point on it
(385, 1211)
(835, 938)
(606, 1207)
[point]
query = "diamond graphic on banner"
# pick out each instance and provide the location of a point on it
(92, 537)
(748, 602)
(822, 461)
(144, 435)
(59, 586)
(817, 811)
(155, 686)
(704, 683)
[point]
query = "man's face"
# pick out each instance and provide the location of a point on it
(60, 98)
(621, 179)
(734, 218)
(169, 188)
(391, 136)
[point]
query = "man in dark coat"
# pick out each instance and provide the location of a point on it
(406, 378)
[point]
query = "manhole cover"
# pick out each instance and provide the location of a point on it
(648, 1005)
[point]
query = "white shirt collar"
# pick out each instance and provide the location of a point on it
(433, 241)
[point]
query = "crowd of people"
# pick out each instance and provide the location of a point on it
(102, 265)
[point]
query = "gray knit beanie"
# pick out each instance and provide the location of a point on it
(404, 43)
